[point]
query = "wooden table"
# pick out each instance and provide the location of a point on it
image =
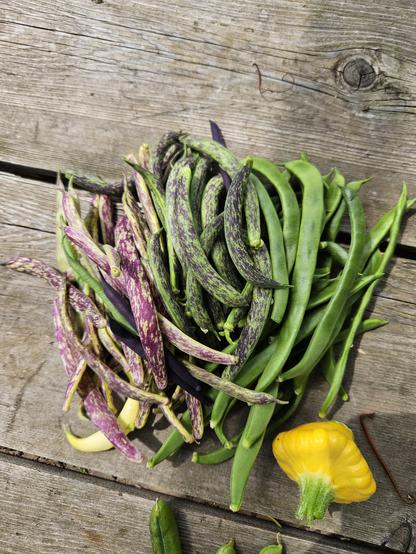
(84, 82)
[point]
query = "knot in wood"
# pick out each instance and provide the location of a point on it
(359, 73)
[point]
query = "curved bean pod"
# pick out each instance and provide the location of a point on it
(346, 347)
(302, 276)
(213, 149)
(232, 389)
(233, 231)
(277, 250)
(290, 208)
(256, 318)
(321, 337)
(194, 254)
(252, 215)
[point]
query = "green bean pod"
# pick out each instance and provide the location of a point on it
(277, 250)
(326, 294)
(228, 548)
(256, 318)
(164, 530)
(381, 228)
(327, 367)
(218, 456)
(321, 337)
(288, 200)
(252, 215)
(233, 231)
(248, 374)
(194, 254)
(336, 251)
(348, 342)
(302, 277)
(333, 194)
(244, 459)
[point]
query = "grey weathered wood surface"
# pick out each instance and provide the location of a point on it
(32, 382)
(68, 513)
(83, 83)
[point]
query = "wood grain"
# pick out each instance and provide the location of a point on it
(68, 513)
(83, 83)
(382, 379)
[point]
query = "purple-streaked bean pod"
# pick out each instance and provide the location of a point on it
(102, 417)
(233, 230)
(175, 422)
(112, 348)
(197, 416)
(78, 300)
(91, 220)
(194, 253)
(217, 135)
(95, 184)
(173, 153)
(144, 311)
(159, 152)
(132, 211)
(235, 391)
(88, 247)
(143, 156)
(257, 316)
(177, 373)
(117, 384)
(135, 363)
(106, 215)
(146, 203)
(59, 223)
(144, 411)
(190, 346)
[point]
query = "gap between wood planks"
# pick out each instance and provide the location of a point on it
(48, 176)
(73, 472)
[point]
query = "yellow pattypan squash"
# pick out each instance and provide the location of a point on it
(326, 463)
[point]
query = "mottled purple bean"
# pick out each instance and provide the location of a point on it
(144, 311)
(78, 300)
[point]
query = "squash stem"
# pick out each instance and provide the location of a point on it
(316, 493)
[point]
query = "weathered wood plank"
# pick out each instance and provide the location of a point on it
(87, 82)
(68, 513)
(383, 380)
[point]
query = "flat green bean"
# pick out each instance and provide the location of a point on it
(348, 342)
(277, 250)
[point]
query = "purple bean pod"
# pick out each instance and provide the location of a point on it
(192, 347)
(78, 300)
(102, 417)
(144, 311)
(197, 416)
(106, 215)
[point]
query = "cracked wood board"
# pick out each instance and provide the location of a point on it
(88, 82)
(383, 381)
(60, 511)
